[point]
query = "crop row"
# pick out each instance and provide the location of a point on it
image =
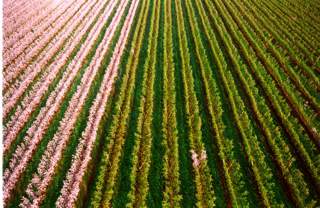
(161, 103)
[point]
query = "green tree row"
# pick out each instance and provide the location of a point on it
(273, 95)
(103, 189)
(141, 155)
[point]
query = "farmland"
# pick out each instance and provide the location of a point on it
(161, 103)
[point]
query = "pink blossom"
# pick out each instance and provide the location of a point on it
(82, 157)
(30, 103)
(24, 13)
(196, 160)
(55, 147)
(34, 135)
(49, 48)
(203, 155)
(14, 46)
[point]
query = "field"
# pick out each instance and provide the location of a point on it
(161, 103)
